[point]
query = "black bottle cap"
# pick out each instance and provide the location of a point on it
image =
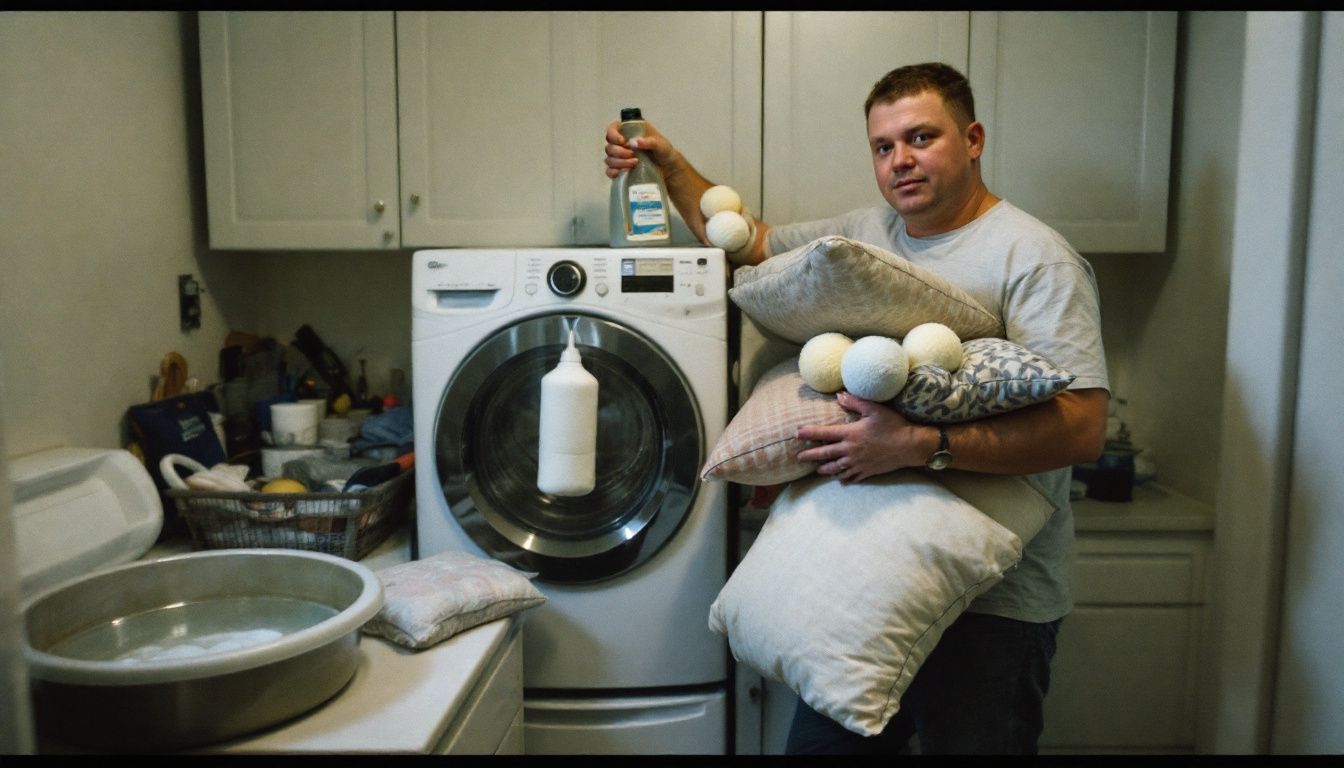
(631, 113)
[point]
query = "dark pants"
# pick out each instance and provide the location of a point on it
(981, 691)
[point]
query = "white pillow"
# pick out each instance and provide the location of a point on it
(848, 588)
(428, 601)
(834, 284)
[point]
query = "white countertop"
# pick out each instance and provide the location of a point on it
(399, 701)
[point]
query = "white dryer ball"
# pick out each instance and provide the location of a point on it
(727, 230)
(875, 368)
(933, 343)
(819, 362)
(720, 198)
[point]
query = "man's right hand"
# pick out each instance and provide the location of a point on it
(621, 156)
(685, 185)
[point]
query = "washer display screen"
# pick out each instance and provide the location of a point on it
(646, 275)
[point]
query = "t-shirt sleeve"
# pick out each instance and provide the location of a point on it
(1053, 310)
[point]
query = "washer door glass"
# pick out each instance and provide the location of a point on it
(649, 450)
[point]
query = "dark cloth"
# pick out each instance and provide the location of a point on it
(981, 691)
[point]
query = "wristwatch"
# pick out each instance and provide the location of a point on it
(942, 457)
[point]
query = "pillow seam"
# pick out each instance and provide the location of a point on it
(906, 661)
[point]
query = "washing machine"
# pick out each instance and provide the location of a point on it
(620, 658)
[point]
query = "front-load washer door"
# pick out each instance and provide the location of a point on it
(650, 445)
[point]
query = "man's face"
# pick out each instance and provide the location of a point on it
(922, 161)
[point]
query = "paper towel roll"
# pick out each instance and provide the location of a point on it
(293, 424)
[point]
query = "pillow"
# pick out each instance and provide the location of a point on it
(758, 446)
(848, 588)
(428, 601)
(842, 285)
(996, 376)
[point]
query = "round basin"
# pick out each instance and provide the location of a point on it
(194, 649)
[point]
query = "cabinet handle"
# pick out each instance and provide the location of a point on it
(415, 199)
(379, 207)
(387, 235)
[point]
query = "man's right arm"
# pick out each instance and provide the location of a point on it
(685, 185)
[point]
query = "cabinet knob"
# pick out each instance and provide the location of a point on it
(415, 199)
(387, 235)
(379, 207)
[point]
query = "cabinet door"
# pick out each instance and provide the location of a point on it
(299, 118)
(696, 76)
(819, 68)
(1126, 670)
(1078, 111)
(487, 103)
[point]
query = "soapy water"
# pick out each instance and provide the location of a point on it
(188, 630)
(219, 642)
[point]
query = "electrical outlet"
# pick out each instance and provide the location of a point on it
(189, 301)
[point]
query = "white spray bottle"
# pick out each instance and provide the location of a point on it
(567, 439)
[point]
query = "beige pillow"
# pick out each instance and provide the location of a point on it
(758, 446)
(428, 601)
(842, 285)
(848, 588)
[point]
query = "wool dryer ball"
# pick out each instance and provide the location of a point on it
(875, 368)
(727, 230)
(720, 198)
(819, 362)
(933, 343)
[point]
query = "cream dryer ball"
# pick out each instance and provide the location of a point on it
(875, 368)
(727, 226)
(819, 362)
(933, 343)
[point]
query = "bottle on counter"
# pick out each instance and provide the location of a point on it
(640, 212)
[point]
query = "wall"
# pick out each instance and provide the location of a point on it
(103, 209)
(1164, 315)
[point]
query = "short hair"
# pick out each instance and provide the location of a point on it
(914, 79)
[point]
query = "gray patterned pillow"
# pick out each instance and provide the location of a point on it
(995, 376)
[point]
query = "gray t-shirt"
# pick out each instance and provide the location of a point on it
(1045, 296)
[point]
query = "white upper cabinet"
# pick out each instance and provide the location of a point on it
(353, 130)
(299, 114)
(487, 112)
(1078, 111)
(819, 67)
(695, 76)
(502, 115)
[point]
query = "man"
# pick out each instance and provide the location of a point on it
(983, 687)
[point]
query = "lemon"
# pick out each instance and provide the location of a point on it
(284, 485)
(341, 404)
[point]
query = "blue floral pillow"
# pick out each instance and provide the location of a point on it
(996, 376)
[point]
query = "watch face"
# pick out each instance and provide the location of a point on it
(940, 460)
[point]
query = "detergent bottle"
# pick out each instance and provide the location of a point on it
(567, 433)
(639, 213)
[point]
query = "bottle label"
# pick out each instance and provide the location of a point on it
(648, 215)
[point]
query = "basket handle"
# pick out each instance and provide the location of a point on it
(170, 474)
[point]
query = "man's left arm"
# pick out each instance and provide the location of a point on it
(1067, 429)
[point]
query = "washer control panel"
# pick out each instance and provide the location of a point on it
(651, 281)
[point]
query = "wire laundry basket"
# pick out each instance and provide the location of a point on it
(348, 524)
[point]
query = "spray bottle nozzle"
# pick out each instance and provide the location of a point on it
(571, 352)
